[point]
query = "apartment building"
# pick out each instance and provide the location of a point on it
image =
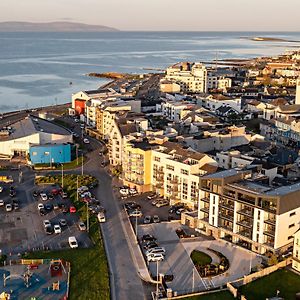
(296, 252)
(239, 206)
(172, 110)
(191, 77)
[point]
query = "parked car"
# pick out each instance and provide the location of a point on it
(148, 238)
(65, 209)
(62, 222)
(48, 206)
(155, 257)
(46, 223)
(2, 202)
(72, 209)
(41, 206)
(135, 213)
(161, 250)
(147, 219)
(156, 219)
(50, 196)
(101, 217)
(8, 207)
(132, 205)
(57, 228)
(175, 207)
(55, 206)
(16, 205)
(55, 192)
(124, 192)
(86, 141)
(162, 203)
(81, 226)
(35, 194)
(152, 196)
(42, 212)
(179, 211)
(64, 195)
(44, 196)
(1, 189)
(73, 242)
(154, 202)
(133, 191)
(150, 244)
(49, 229)
(12, 193)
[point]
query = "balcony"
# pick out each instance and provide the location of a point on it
(229, 194)
(271, 221)
(226, 217)
(246, 233)
(246, 212)
(204, 219)
(205, 209)
(269, 233)
(227, 227)
(226, 205)
(205, 199)
(245, 223)
(269, 243)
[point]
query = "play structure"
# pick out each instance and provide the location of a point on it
(56, 268)
(25, 277)
(4, 296)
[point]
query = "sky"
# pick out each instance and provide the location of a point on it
(185, 15)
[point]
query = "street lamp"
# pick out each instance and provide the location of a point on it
(62, 175)
(81, 164)
(156, 296)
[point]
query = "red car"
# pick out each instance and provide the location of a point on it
(72, 209)
(55, 192)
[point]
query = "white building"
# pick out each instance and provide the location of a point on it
(296, 252)
(172, 109)
(192, 77)
(297, 99)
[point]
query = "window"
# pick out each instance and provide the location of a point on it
(47, 153)
(169, 167)
(292, 225)
(185, 172)
(292, 214)
(290, 237)
(34, 153)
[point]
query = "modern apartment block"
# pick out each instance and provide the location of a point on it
(192, 77)
(239, 206)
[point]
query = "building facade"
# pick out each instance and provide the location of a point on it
(296, 252)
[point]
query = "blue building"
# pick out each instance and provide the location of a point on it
(51, 153)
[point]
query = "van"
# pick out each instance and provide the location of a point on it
(101, 217)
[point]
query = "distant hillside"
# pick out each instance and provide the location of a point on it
(52, 27)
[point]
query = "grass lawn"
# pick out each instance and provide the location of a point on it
(287, 282)
(200, 259)
(224, 295)
(89, 269)
(67, 166)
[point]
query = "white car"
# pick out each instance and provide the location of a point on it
(2, 202)
(1, 189)
(44, 196)
(133, 191)
(73, 242)
(8, 207)
(124, 192)
(57, 229)
(41, 206)
(101, 217)
(86, 141)
(46, 223)
(155, 257)
(156, 250)
(135, 213)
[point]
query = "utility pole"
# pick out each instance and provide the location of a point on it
(77, 153)
(156, 296)
(136, 235)
(77, 190)
(87, 217)
(193, 280)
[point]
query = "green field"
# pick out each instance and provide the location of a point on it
(287, 282)
(89, 269)
(200, 258)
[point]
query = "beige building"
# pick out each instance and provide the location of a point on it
(192, 77)
(167, 86)
(239, 206)
(296, 252)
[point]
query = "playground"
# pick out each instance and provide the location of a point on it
(35, 280)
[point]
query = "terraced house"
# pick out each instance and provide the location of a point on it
(241, 207)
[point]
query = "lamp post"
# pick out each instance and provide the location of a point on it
(81, 164)
(62, 175)
(156, 295)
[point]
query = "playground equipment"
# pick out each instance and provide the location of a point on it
(4, 296)
(25, 277)
(56, 267)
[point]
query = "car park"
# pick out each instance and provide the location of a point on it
(8, 207)
(57, 228)
(73, 242)
(162, 203)
(156, 219)
(81, 226)
(2, 202)
(44, 196)
(147, 219)
(155, 257)
(135, 213)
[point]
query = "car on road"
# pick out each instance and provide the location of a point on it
(2, 202)
(86, 141)
(162, 203)
(57, 228)
(161, 250)
(156, 219)
(49, 229)
(8, 207)
(81, 226)
(148, 238)
(73, 242)
(147, 219)
(44, 196)
(135, 213)
(46, 223)
(63, 222)
(155, 257)
(41, 206)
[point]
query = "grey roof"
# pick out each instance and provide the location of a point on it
(222, 174)
(283, 190)
(31, 125)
